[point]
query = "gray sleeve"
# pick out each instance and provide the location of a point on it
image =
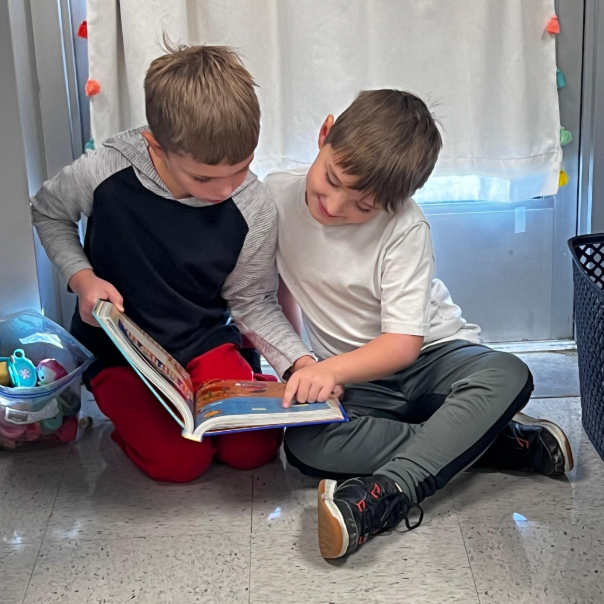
(251, 289)
(57, 206)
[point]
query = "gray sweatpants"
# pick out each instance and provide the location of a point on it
(421, 426)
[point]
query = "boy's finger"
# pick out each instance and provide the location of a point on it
(115, 298)
(338, 391)
(313, 393)
(324, 394)
(290, 391)
(302, 391)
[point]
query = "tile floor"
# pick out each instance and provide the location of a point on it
(80, 524)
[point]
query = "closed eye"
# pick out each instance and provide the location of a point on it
(333, 184)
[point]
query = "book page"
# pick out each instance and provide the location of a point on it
(223, 398)
(161, 360)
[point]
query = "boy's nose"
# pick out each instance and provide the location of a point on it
(335, 205)
(225, 192)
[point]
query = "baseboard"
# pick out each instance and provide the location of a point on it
(513, 347)
(538, 346)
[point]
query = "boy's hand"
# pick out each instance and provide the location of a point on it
(314, 382)
(89, 288)
(339, 391)
(303, 362)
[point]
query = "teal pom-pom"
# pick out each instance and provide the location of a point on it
(560, 79)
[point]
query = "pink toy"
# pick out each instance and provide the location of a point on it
(49, 371)
(10, 430)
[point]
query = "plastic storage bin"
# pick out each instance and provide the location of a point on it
(46, 415)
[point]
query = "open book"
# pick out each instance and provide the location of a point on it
(218, 406)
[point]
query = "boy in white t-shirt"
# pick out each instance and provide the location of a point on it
(425, 399)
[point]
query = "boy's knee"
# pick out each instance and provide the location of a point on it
(184, 470)
(298, 439)
(180, 464)
(508, 375)
(515, 370)
(301, 445)
(248, 450)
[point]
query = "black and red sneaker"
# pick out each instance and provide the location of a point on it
(358, 509)
(530, 445)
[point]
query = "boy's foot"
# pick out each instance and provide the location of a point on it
(358, 509)
(530, 445)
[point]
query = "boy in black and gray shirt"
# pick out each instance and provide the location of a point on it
(182, 236)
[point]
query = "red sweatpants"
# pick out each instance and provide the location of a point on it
(152, 439)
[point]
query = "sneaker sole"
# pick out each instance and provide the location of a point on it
(555, 431)
(333, 534)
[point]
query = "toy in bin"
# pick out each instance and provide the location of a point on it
(41, 367)
(49, 371)
(21, 370)
(4, 374)
(18, 371)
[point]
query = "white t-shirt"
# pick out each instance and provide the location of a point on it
(356, 282)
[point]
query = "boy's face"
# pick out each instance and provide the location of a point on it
(329, 196)
(186, 177)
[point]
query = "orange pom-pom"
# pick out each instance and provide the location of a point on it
(92, 88)
(553, 26)
(83, 30)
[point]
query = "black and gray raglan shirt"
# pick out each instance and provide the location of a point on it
(183, 267)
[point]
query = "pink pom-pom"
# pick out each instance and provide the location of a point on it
(553, 26)
(92, 88)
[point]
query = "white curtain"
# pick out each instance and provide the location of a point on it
(485, 67)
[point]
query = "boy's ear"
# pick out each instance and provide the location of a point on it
(148, 136)
(325, 128)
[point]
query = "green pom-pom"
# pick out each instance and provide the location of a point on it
(565, 136)
(89, 146)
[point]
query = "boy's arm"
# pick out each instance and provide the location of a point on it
(405, 306)
(251, 292)
(290, 307)
(56, 210)
(381, 357)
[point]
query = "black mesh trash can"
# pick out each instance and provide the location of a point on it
(588, 276)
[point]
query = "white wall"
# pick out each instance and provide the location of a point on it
(18, 277)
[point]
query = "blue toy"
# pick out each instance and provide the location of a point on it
(22, 371)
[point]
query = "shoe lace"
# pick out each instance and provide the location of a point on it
(387, 512)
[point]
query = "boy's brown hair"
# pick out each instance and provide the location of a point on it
(200, 100)
(389, 141)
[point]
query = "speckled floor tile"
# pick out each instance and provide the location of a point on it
(482, 496)
(29, 482)
(96, 447)
(417, 567)
(196, 569)
(494, 497)
(284, 499)
(16, 565)
(115, 500)
(526, 563)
